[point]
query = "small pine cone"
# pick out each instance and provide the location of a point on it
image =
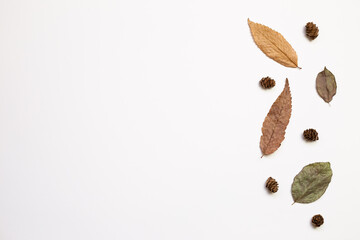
(267, 82)
(317, 220)
(311, 135)
(272, 185)
(312, 31)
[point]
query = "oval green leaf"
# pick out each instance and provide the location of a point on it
(311, 183)
(326, 85)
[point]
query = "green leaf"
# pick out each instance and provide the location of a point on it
(326, 85)
(311, 183)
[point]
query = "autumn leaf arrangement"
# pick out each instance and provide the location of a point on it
(312, 181)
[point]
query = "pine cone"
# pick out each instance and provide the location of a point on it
(312, 31)
(272, 185)
(267, 82)
(311, 135)
(317, 220)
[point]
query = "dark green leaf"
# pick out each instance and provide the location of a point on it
(326, 85)
(311, 183)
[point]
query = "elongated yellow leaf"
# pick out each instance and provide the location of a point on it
(273, 44)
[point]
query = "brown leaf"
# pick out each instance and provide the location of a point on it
(276, 121)
(273, 44)
(326, 85)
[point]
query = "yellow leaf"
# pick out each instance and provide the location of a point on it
(273, 44)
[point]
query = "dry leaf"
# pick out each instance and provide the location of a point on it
(276, 121)
(311, 182)
(326, 85)
(273, 44)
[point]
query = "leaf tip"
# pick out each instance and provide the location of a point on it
(286, 82)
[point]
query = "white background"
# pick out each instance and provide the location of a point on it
(142, 120)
